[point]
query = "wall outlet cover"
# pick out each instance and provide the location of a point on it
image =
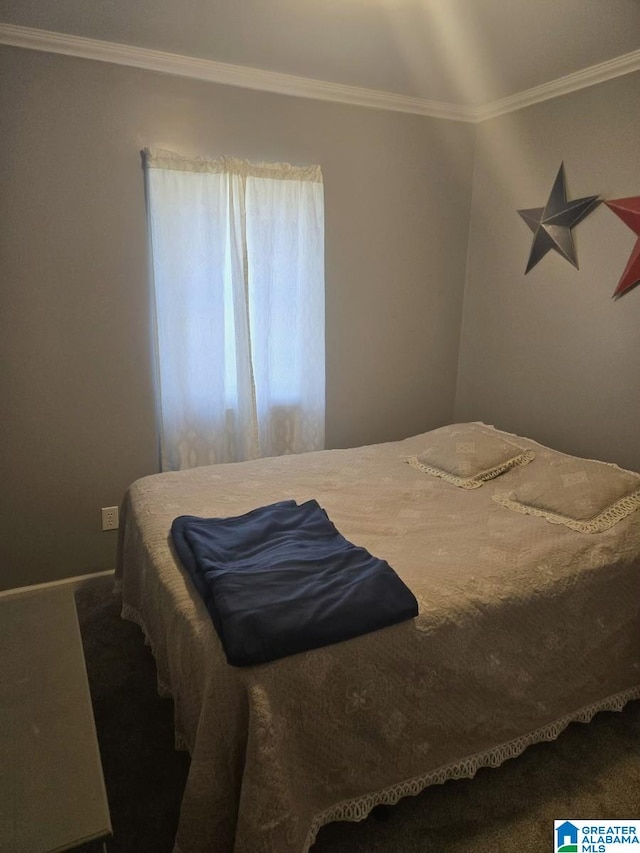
(110, 519)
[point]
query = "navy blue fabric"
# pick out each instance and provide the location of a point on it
(281, 579)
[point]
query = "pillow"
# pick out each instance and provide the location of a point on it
(583, 495)
(468, 456)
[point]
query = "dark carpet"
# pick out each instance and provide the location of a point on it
(591, 771)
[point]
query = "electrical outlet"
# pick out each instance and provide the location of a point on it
(110, 517)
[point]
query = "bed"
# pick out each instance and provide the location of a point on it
(525, 563)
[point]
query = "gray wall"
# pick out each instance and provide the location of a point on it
(551, 355)
(75, 383)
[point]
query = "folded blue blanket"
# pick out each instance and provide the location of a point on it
(281, 579)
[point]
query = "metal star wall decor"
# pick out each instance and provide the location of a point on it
(628, 209)
(552, 224)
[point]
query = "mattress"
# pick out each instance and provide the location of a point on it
(524, 626)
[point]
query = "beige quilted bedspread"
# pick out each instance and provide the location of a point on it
(523, 626)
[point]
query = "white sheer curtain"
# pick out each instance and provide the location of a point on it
(238, 269)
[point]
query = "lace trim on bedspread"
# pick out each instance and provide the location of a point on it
(132, 615)
(358, 808)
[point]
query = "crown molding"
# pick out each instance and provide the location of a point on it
(225, 73)
(303, 87)
(621, 65)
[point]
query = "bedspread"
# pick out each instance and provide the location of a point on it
(523, 626)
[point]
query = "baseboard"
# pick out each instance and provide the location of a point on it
(73, 583)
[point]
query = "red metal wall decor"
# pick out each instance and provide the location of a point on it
(628, 209)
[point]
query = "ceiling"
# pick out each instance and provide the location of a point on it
(465, 53)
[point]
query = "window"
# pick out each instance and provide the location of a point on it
(238, 270)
